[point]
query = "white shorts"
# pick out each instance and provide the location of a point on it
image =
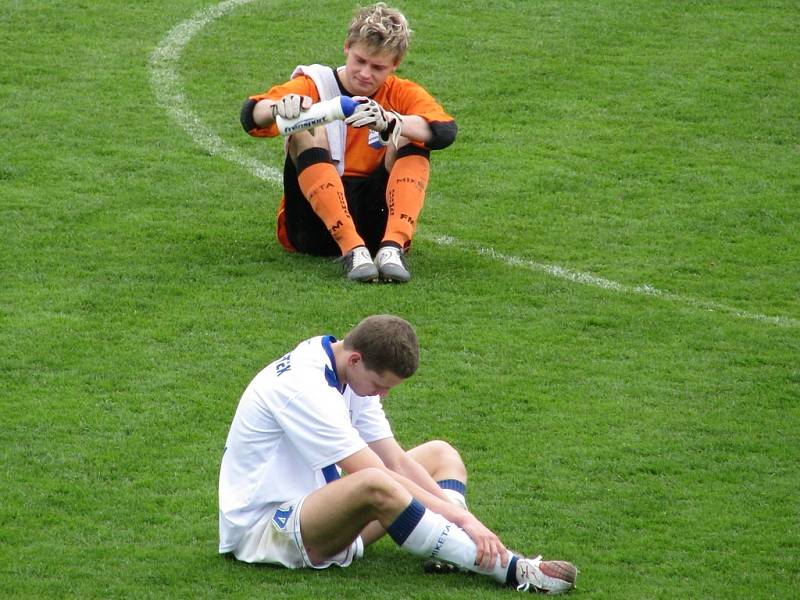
(276, 539)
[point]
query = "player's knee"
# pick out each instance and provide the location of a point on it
(443, 450)
(445, 455)
(377, 488)
(304, 140)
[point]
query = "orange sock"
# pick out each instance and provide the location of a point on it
(405, 195)
(322, 187)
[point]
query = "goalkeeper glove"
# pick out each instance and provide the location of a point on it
(370, 114)
(290, 106)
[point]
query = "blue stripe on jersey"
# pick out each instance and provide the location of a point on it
(330, 372)
(330, 473)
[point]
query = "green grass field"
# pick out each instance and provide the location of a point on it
(606, 289)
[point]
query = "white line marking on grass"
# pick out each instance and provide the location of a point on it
(607, 284)
(168, 89)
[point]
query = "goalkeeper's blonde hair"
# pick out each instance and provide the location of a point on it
(381, 28)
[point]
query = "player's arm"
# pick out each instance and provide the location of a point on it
(258, 112)
(397, 460)
(434, 135)
(488, 544)
(288, 107)
(414, 128)
(431, 127)
(389, 124)
(367, 458)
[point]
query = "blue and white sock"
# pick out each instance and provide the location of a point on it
(429, 534)
(455, 490)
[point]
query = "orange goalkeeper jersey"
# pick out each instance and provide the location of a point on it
(363, 151)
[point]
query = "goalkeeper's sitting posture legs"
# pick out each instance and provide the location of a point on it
(381, 209)
(385, 113)
(323, 189)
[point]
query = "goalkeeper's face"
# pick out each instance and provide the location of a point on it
(366, 69)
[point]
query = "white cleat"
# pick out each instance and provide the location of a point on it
(358, 265)
(391, 264)
(545, 576)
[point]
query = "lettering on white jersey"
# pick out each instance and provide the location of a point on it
(283, 365)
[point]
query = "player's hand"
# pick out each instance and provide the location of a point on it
(369, 114)
(488, 545)
(291, 105)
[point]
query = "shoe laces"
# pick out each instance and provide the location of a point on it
(524, 587)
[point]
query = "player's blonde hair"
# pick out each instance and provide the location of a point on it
(381, 28)
(386, 343)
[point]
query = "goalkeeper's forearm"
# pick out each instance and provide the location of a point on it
(416, 129)
(263, 114)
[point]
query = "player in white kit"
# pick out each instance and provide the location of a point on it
(315, 414)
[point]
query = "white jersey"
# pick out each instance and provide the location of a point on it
(293, 424)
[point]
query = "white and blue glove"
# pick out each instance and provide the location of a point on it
(370, 114)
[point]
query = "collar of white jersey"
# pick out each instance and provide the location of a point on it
(331, 375)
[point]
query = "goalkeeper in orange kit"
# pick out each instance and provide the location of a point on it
(355, 188)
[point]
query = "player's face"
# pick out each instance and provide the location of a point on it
(366, 382)
(366, 70)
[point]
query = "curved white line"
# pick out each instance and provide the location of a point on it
(169, 94)
(168, 89)
(607, 284)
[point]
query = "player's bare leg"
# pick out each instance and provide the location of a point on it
(441, 460)
(333, 516)
(306, 139)
(444, 464)
(372, 533)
